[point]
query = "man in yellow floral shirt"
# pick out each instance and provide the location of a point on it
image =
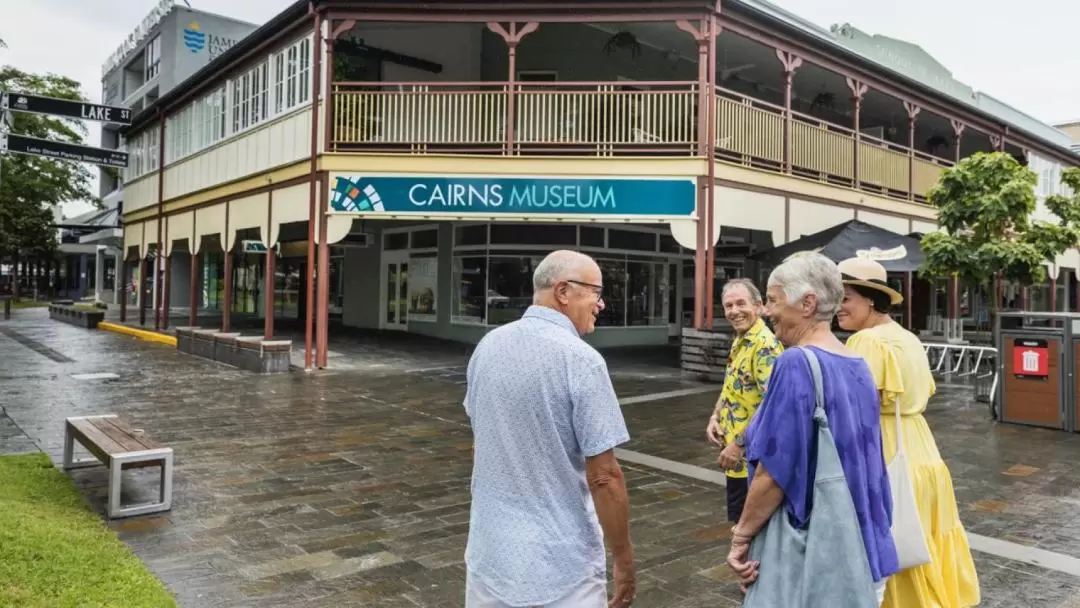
(753, 353)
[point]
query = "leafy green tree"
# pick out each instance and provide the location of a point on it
(31, 186)
(984, 206)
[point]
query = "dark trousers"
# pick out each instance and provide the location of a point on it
(737, 488)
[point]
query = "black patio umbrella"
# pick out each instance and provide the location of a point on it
(854, 238)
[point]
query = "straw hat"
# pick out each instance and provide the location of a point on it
(870, 274)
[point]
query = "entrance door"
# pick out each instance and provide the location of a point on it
(395, 290)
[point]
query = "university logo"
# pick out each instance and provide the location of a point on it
(194, 37)
(351, 195)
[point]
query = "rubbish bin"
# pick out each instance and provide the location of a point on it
(1035, 363)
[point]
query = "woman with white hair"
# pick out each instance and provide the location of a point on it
(815, 528)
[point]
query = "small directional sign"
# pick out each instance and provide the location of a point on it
(39, 104)
(254, 247)
(20, 144)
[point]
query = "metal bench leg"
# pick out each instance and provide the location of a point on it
(116, 468)
(165, 458)
(166, 482)
(69, 454)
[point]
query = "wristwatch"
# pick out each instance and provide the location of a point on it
(739, 440)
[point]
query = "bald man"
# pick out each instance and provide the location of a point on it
(546, 487)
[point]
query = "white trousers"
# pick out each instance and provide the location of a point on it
(880, 588)
(591, 593)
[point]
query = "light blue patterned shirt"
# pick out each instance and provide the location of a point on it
(540, 400)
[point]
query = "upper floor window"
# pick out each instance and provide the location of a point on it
(153, 58)
(277, 85)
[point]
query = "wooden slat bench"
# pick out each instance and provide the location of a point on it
(118, 446)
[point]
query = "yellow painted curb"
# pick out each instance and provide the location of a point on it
(141, 334)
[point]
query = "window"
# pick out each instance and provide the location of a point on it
(393, 241)
(614, 277)
(533, 234)
(632, 240)
(292, 76)
(646, 283)
(510, 289)
(153, 59)
(276, 86)
(592, 236)
(425, 239)
(250, 95)
(423, 284)
(469, 293)
(471, 235)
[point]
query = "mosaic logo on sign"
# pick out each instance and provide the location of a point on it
(423, 195)
(351, 195)
(194, 37)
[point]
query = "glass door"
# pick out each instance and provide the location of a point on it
(395, 290)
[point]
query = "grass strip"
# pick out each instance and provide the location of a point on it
(56, 552)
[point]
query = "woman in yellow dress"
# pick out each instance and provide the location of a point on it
(902, 372)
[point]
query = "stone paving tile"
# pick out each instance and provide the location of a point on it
(12, 439)
(351, 487)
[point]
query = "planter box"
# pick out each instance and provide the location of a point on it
(250, 353)
(87, 319)
(704, 353)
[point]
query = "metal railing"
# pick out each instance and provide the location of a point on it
(976, 363)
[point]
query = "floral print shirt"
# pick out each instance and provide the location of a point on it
(749, 365)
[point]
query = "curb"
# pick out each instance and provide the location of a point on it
(149, 336)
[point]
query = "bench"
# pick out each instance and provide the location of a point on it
(118, 446)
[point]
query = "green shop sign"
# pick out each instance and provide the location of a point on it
(452, 196)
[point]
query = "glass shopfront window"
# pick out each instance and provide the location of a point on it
(646, 285)
(614, 274)
(423, 287)
(213, 279)
(470, 288)
(498, 290)
(510, 290)
(492, 277)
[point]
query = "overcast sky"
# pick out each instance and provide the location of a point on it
(1023, 54)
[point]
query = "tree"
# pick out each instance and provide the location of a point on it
(31, 186)
(984, 206)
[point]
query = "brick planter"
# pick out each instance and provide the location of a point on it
(251, 353)
(87, 319)
(704, 353)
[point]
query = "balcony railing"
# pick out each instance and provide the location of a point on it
(615, 119)
(751, 132)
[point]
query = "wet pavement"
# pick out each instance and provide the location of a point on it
(350, 487)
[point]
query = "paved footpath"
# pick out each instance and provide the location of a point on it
(350, 487)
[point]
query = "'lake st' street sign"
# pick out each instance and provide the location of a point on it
(40, 104)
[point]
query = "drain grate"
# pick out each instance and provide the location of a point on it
(35, 346)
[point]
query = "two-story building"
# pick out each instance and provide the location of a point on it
(408, 163)
(166, 48)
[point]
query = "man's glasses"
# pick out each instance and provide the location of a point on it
(596, 289)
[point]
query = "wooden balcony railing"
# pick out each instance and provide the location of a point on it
(615, 119)
(557, 118)
(751, 132)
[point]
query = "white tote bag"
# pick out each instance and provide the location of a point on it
(907, 531)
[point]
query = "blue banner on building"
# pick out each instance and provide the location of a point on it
(518, 196)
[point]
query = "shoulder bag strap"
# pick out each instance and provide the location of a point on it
(819, 389)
